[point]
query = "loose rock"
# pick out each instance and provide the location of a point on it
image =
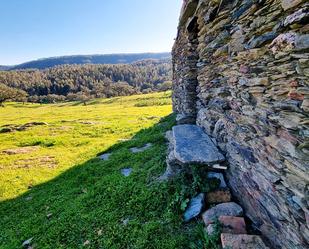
(27, 243)
(231, 224)
(105, 156)
(194, 208)
(137, 150)
(224, 209)
(126, 172)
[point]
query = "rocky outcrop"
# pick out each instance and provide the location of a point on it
(241, 71)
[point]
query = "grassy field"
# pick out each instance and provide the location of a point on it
(75, 133)
(56, 193)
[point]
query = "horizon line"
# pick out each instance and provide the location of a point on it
(71, 55)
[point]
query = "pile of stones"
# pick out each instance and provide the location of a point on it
(190, 146)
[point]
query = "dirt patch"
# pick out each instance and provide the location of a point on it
(88, 122)
(43, 161)
(12, 127)
(22, 150)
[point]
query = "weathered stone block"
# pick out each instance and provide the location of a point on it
(192, 145)
(218, 196)
(195, 207)
(242, 241)
(234, 225)
(224, 209)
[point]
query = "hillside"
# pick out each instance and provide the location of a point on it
(69, 197)
(76, 82)
(87, 59)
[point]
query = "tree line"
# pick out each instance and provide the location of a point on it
(83, 82)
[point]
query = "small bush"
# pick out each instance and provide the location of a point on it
(37, 142)
(204, 241)
(158, 102)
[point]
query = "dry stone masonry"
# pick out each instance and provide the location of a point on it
(241, 73)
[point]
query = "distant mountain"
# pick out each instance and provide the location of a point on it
(87, 59)
(3, 68)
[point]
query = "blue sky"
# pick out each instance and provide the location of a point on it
(32, 29)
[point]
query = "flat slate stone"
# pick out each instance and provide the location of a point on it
(242, 241)
(194, 208)
(223, 209)
(27, 243)
(126, 172)
(105, 156)
(137, 150)
(193, 145)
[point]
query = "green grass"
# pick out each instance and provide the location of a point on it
(63, 196)
(75, 134)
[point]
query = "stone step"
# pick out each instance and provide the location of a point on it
(242, 241)
(191, 145)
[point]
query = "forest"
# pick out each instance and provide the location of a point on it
(84, 82)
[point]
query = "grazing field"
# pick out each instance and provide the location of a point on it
(57, 193)
(73, 134)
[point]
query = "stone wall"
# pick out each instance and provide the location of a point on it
(241, 71)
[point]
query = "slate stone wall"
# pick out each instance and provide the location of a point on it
(241, 70)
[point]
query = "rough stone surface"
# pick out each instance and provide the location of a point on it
(241, 69)
(242, 241)
(224, 209)
(141, 149)
(195, 207)
(218, 196)
(231, 224)
(210, 229)
(192, 145)
(184, 119)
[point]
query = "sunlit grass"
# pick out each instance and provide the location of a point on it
(75, 133)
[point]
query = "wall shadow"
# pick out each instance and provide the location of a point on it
(92, 201)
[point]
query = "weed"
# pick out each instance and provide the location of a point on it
(201, 239)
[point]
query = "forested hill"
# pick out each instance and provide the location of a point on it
(82, 82)
(4, 67)
(87, 59)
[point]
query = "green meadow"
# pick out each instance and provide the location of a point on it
(74, 134)
(56, 193)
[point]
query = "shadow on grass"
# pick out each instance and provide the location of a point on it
(93, 205)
